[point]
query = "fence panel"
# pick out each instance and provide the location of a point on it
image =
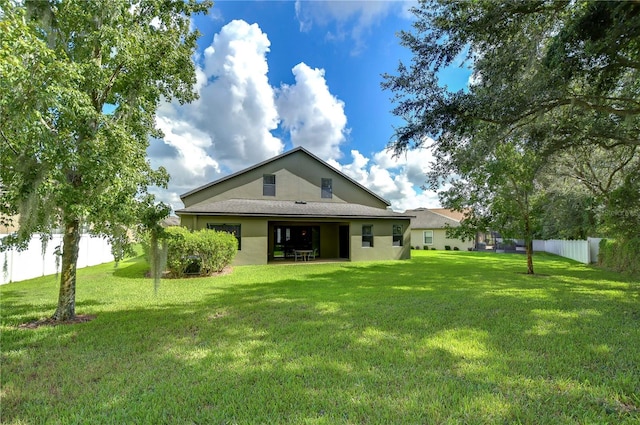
(32, 262)
(594, 249)
(539, 245)
(583, 251)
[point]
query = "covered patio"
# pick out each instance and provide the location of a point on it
(308, 240)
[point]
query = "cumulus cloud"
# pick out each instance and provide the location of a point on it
(237, 105)
(314, 117)
(398, 179)
(230, 126)
(183, 151)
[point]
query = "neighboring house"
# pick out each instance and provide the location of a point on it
(428, 229)
(170, 221)
(295, 202)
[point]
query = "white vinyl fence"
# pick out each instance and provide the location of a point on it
(22, 265)
(583, 251)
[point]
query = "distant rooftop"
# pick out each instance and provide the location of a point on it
(434, 218)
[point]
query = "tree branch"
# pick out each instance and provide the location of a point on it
(9, 143)
(627, 62)
(112, 80)
(43, 122)
(619, 168)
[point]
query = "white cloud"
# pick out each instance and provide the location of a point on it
(237, 105)
(191, 145)
(353, 19)
(229, 126)
(184, 152)
(314, 117)
(396, 179)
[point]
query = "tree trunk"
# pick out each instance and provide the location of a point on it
(67, 296)
(528, 241)
(529, 247)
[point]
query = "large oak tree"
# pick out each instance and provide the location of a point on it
(570, 69)
(80, 82)
(551, 78)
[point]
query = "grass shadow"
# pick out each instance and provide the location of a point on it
(438, 339)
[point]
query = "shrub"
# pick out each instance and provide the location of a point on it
(181, 252)
(455, 248)
(195, 253)
(447, 248)
(620, 255)
(215, 249)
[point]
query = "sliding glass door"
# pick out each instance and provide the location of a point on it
(287, 239)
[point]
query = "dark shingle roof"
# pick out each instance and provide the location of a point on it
(262, 208)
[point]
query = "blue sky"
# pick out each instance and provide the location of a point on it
(273, 75)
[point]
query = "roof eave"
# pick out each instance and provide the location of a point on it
(291, 215)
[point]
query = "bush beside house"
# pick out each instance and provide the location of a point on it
(200, 253)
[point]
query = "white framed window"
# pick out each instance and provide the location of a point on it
(427, 237)
(367, 236)
(269, 185)
(327, 188)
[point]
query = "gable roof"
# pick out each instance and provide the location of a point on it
(275, 158)
(436, 218)
(456, 215)
(289, 209)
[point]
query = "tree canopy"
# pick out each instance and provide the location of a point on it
(80, 82)
(568, 69)
(555, 83)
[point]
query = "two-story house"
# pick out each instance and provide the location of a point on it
(297, 202)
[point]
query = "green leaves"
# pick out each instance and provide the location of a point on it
(202, 253)
(61, 62)
(550, 80)
(532, 62)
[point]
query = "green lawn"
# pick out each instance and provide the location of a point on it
(447, 337)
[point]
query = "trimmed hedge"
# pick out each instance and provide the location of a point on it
(620, 255)
(200, 253)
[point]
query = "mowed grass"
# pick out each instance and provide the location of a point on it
(447, 337)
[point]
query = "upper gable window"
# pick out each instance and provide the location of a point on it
(269, 185)
(327, 188)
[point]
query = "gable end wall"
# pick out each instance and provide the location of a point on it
(298, 178)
